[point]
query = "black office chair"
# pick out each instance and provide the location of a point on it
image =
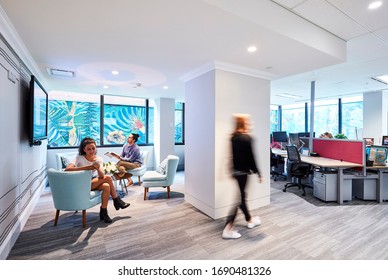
(277, 166)
(297, 169)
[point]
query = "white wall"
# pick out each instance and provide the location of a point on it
(164, 128)
(22, 168)
(375, 114)
(211, 100)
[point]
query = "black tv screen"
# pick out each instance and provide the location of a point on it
(39, 108)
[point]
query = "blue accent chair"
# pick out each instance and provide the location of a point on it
(162, 177)
(71, 192)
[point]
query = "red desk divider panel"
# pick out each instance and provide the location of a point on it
(346, 150)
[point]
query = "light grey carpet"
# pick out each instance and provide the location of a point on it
(159, 228)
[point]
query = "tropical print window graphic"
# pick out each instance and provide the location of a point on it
(120, 121)
(70, 121)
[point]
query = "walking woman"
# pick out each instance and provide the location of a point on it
(243, 164)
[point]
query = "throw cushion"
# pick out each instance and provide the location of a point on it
(162, 167)
(65, 161)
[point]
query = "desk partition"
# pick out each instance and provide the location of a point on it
(340, 149)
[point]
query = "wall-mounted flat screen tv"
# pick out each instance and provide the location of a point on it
(38, 112)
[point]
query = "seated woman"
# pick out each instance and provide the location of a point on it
(326, 135)
(88, 160)
(130, 158)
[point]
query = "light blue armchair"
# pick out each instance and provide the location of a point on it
(162, 177)
(63, 159)
(71, 192)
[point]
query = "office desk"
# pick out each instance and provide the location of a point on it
(380, 181)
(332, 163)
(280, 152)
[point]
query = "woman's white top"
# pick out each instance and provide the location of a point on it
(80, 161)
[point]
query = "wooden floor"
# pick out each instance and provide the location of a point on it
(292, 228)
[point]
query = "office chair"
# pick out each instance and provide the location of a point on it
(277, 166)
(297, 169)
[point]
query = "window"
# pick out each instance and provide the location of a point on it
(72, 117)
(352, 116)
(123, 116)
(274, 118)
(293, 118)
(179, 122)
(151, 122)
(326, 117)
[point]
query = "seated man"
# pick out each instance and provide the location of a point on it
(130, 158)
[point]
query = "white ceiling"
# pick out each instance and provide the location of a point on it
(159, 42)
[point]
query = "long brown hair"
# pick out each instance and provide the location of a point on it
(84, 142)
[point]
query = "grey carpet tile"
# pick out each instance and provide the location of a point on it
(293, 228)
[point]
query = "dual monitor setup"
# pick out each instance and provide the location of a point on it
(370, 141)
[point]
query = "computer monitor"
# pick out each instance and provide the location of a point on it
(305, 134)
(294, 139)
(304, 141)
(369, 141)
(280, 136)
(384, 141)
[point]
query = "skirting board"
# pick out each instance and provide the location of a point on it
(224, 211)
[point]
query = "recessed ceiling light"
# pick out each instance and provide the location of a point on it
(252, 49)
(165, 87)
(115, 72)
(382, 79)
(375, 5)
(105, 87)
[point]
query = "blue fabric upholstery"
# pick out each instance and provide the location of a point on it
(142, 169)
(71, 191)
(155, 179)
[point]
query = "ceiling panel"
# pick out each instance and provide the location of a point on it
(328, 17)
(358, 11)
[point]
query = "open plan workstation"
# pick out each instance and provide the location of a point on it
(341, 172)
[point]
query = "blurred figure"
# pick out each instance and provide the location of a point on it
(326, 135)
(243, 164)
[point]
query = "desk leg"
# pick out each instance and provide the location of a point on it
(379, 187)
(340, 181)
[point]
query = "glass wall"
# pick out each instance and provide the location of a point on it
(326, 117)
(352, 116)
(72, 117)
(122, 116)
(179, 120)
(293, 118)
(274, 118)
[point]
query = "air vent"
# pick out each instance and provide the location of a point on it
(61, 73)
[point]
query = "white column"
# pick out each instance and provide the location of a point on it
(164, 130)
(211, 100)
(375, 115)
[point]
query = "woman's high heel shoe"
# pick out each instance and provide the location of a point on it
(104, 215)
(119, 204)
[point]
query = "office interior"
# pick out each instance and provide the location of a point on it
(213, 90)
